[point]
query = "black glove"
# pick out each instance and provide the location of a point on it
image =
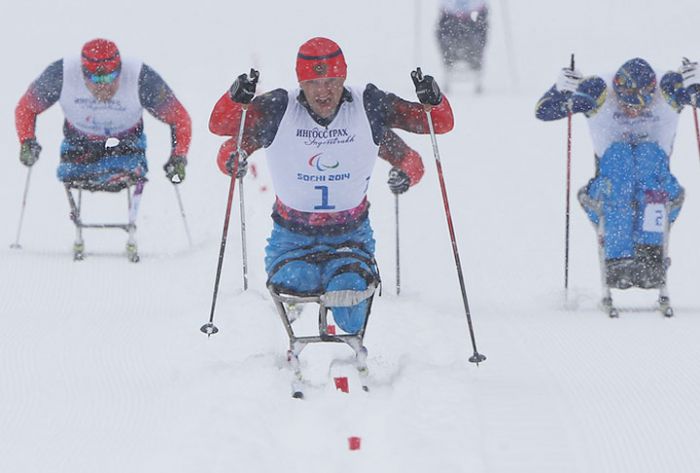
(29, 152)
(427, 89)
(175, 169)
(243, 88)
(242, 164)
(399, 181)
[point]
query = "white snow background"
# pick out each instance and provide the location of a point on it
(102, 364)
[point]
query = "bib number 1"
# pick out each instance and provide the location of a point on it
(324, 199)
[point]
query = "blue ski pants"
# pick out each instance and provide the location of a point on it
(301, 264)
(103, 167)
(630, 178)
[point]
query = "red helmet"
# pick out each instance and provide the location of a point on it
(100, 56)
(319, 58)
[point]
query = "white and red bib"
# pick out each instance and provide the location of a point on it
(84, 112)
(656, 124)
(322, 169)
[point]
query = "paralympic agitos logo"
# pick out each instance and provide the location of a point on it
(316, 161)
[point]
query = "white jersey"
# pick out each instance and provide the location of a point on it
(657, 123)
(93, 117)
(322, 169)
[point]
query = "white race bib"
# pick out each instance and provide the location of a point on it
(322, 169)
(654, 218)
(656, 124)
(93, 117)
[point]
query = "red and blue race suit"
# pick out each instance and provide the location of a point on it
(86, 155)
(328, 253)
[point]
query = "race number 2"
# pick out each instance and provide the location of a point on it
(324, 199)
(654, 218)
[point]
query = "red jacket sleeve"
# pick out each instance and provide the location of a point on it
(263, 117)
(160, 101)
(394, 150)
(175, 115)
(25, 116)
(41, 94)
(226, 149)
(225, 119)
(411, 116)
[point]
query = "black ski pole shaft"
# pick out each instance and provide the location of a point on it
(244, 251)
(476, 357)
(21, 213)
(209, 328)
(398, 259)
(568, 190)
(182, 214)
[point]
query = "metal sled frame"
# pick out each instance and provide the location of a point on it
(298, 343)
(606, 301)
(129, 227)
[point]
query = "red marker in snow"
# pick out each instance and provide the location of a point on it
(341, 383)
(354, 443)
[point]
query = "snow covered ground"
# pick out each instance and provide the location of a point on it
(103, 367)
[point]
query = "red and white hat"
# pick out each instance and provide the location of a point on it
(100, 56)
(319, 58)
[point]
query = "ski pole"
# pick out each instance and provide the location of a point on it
(694, 103)
(398, 260)
(16, 244)
(695, 119)
(476, 357)
(182, 213)
(209, 328)
(243, 238)
(243, 159)
(697, 128)
(568, 191)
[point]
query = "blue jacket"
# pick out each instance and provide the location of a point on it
(592, 92)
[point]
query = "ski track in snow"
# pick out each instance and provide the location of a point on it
(103, 384)
(102, 365)
(623, 407)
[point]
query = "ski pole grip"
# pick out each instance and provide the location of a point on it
(417, 76)
(254, 76)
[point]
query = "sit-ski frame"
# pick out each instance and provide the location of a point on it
(664, 301)
(130, 227)
(298, 343)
